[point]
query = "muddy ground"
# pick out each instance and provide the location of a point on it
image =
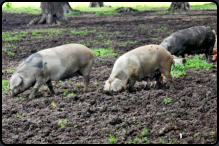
(92, 117)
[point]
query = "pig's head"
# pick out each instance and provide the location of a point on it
(19, 83)
(115, 85)
(168, 44)
(15, 84)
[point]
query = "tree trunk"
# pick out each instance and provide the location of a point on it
(180, 6)
(96, 4)
(52, 13)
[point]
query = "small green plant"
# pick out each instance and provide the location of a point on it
(65, 92)
(143, 124)
(71, 95)
(212, 132)
(10, 53)
(129, 142)
(136, 139)
(144, 131)
(60, 123)
(34, 33)
(207, 97)
(53, 104)
(112, 139)
(197, 134)
(167, 100)
(20, 98)
(107, 42)
(79, 84)
(18, 115)
(145, 139)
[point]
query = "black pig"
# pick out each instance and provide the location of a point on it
(192, 40)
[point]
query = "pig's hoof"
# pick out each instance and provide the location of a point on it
(31, 97)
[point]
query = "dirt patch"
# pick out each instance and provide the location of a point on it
(77, 117)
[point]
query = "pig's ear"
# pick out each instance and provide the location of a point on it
(17, 80)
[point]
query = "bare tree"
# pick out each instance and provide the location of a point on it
(180, 6)
(52, 13)
(96, 4)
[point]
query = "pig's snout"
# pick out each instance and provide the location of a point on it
(15, 92)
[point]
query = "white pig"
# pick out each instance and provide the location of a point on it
(53, 64)
(136, 64)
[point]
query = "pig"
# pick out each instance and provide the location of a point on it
(193, 40)
(53, 64)
(136, 64)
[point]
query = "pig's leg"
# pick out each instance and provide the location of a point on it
(159, 80)
(86, 77)
(36, 87)
(169, 77)
(49, 84)
(86, 82)
(131, 84)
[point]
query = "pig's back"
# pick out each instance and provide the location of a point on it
(69, 54)
(64, 60)
(149, 53)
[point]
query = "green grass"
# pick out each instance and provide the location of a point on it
(125, 43)
(103, 52)
(23, 35)
(105, 13)
(73, 14)
(84, 32)
(13, 36)
(34, 7)
(205, 6)
(27, 9)
(194, 7)
(5, 85)
(196, 62)
(10, 70)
